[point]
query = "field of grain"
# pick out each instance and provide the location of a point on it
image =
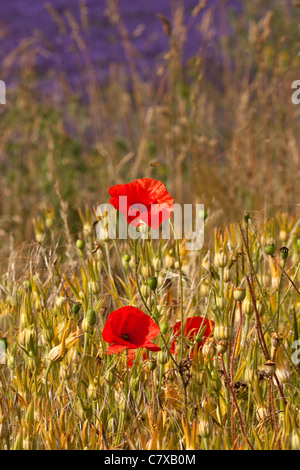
(141, 342)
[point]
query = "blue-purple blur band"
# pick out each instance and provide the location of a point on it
(111, 227)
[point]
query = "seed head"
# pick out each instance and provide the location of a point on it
(269, 368)
(239, 294)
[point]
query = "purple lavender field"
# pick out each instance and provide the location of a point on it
(50, 33)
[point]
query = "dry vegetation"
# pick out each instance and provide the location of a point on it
(236, 150)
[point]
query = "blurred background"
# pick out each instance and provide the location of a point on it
(194, 93)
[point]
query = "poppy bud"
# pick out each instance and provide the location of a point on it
(164, 327)
(91, 318)
(162, 357)
(152, 283)
(152, 364)
(284, 252)
(239, 294)
(80, 245)
(27, 285)
(269, 249)
(126, 258)
(76, 308)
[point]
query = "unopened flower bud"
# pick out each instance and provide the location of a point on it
(91, 318)
(164, 327)
(162, 357)
(76, 308)
(152, 283)
(152, 364)
(270, 249)
(80, 245)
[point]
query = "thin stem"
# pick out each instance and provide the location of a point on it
(279, 291)
(181, 290)
(231, 364)
(235, 402)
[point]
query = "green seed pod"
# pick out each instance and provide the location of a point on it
(152, 283)
(164, 327)
(126, 258)
(91, 318)
(80, 245)
(27, 285)
(76, 308)
(284, 252)
(269, 249)
(152, 364)
(202, 214)
(222, 346)
(239, 294)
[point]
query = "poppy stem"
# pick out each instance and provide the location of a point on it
(136, 276)
(181, 288)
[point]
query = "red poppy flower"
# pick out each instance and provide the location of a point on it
(130, 328)
(193, 327)
(145, 200)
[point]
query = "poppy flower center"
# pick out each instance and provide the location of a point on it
(125, 336)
